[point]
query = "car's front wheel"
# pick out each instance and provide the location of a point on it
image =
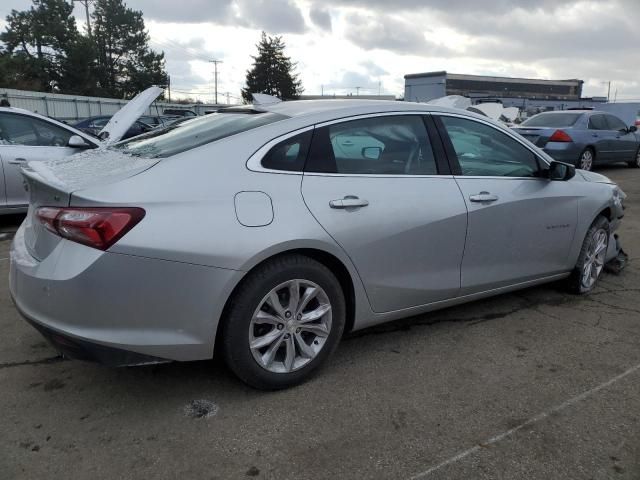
(635, 163)
(585, 162)
(283, 323)
(592, 257)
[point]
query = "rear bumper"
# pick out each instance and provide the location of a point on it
(84, 350)
(119, 309)
(567, 152)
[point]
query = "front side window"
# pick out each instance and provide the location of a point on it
(598, 122)
(17, 130)
(51, 135)
(615, 123)
(388, 145)
(32, 132)
(486, 151)
(180, 137)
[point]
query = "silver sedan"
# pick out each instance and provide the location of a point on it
(268, 231)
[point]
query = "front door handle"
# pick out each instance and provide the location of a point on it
(349, 201)
(483, 197)
(17, 161)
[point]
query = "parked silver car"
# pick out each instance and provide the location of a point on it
(268, 231)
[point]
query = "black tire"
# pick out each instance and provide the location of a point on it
(574, 282)
(581, 163)
(249, 297)
(635, 163)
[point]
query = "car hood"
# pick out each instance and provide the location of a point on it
(595, 177)
(127, 115)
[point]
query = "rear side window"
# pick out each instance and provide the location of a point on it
(554, 120)
(289, 154)
(180, 137)
(598, 122)
(393, 145)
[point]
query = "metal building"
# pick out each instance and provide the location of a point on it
(422, 87)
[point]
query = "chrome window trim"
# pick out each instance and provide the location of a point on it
(254, 163)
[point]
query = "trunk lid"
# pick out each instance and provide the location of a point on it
(127, 115)
(52, 184)
(539, 136)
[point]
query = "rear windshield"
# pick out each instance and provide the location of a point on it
(552, 120)
(180, 137)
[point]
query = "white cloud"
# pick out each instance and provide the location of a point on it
(338, 43)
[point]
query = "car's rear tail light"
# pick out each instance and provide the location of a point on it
(560, 136)
(95, 227)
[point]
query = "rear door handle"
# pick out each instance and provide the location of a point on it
(17, 161)
(349, 201)
(483, 197)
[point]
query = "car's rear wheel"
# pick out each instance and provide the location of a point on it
(635, 163)
(585, 162)
(591, 259)
(283, 323)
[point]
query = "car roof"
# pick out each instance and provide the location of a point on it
(314, 111)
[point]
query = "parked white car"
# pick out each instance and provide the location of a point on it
(26, 136)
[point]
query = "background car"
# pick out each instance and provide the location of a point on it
(25, 137)
(93, 126)
(583, 138)
(276, 236)
(179, 112)
(29, 137)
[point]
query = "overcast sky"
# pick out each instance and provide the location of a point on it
(372, 44)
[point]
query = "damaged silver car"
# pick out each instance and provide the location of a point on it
(268, 231)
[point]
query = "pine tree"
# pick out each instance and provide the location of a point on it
(272, 72)
(126, 64)
(37, 41)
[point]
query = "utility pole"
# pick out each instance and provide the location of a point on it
(358, 91)
(215, 77)
(608, 89)
(169, 86)
(86, 9)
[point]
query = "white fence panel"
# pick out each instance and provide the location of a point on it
(71, 108)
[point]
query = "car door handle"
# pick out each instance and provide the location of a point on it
(349, 201)
(483, 197)
(594, 135)
(17, 161)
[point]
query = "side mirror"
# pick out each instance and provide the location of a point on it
(76, 141)
(372, 153)
(561, 171)
(633, 128)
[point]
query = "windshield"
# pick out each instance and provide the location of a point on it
(552, 120)
(180, 137)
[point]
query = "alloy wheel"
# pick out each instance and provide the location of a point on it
(586, 160)
(290, 326)
(594, 261)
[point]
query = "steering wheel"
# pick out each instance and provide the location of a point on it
(58, 142)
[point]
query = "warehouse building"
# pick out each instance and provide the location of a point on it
(422, 87)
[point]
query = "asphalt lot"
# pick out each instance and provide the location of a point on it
(535, 384)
